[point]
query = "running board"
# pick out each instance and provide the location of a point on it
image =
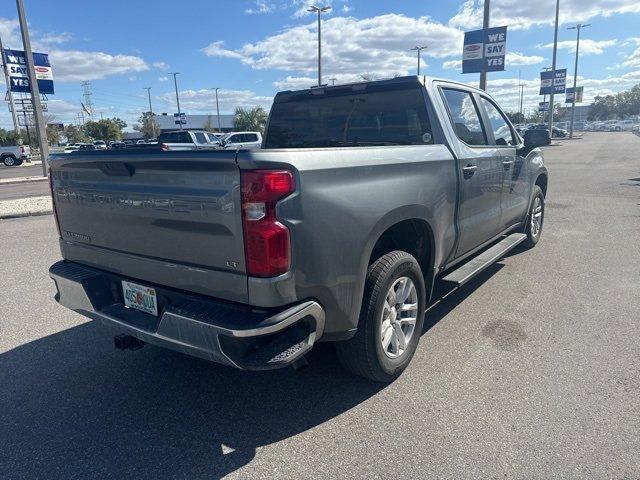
(476, 265)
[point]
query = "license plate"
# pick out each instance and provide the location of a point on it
(140, 297)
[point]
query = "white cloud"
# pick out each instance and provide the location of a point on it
(515, 58)
(79, 66)
(204, 100)
(518, 14)
(72, 65)
(587, 46)
(379, 45)
(164, 78)
(217, 49)
(452, 64)
(261, 6)
(161, 65)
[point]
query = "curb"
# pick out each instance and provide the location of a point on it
(9, 216)
(8, 181)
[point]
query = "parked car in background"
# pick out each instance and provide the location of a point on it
(13, 156)
(186, 140)
(241, 141)
(364, 196)
(100, 145)
(117, 145)
(87, 146)
(542, 127)
(72, 147)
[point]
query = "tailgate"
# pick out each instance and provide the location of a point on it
(171, 218)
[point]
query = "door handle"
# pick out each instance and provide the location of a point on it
(469, 170)
(507, 164)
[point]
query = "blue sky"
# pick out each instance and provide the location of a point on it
(251, 49)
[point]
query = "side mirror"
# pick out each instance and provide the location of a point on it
(536, 138)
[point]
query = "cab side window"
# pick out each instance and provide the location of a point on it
(501, 131)
(465, 116)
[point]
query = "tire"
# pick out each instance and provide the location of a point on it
(9, 160)
(364, 354)
(533, 229)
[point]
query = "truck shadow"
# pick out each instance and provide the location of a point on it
(72, 407)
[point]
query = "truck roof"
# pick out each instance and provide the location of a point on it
(391, 83)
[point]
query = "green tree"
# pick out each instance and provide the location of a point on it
(253, 119)
(106, 129)
(148, 126)
(515, 117)
(10, 138)
(75, 134)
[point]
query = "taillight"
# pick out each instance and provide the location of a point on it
(164, 147)
(53, 203)
(267, 245)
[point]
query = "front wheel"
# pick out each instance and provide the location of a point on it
(535, 219)
(9, 160)
(390, 321)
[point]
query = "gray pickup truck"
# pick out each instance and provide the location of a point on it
(362, 198)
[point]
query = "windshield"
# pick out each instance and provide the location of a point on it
(352, 119)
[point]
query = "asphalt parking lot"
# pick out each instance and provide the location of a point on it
(530, 371)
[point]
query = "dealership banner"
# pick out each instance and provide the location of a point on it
(569, 92)
(553, 81)
(19, 77)
(484, 50)
(543, 106)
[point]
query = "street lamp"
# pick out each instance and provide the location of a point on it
(175, 84)
(578, 27)
(217, 109)
(419, 49)
(319, 11)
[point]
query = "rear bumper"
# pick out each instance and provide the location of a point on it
(231, 334)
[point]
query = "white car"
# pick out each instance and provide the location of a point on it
(100, 145)
(72, 147)
(241, 141)
(180, 140)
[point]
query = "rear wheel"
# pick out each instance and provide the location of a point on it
(9, 160)
(391, 319)
(535, 219)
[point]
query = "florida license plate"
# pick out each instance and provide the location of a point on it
(140, 297)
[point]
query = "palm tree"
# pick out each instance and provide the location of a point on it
(253, 119)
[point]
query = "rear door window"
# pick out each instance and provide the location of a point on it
(234, 139)
(250, 137)
(350, 118)
(465, 116)
(200, 138)
(502, 133)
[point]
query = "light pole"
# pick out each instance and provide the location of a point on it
(419, 49)
(544, 97)
(218, 109)
(41, 127)
(485, 25)
(148, 89)
(553, 68)
(578, 27)
(175, 84)
(319, 11)
(333, 81)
